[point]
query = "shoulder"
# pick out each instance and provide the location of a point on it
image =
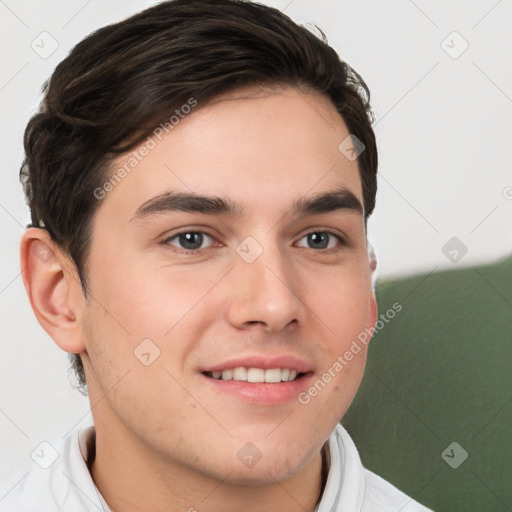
(55, 478)
(350, 486)
(382, 496)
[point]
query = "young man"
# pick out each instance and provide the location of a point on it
(199, 177)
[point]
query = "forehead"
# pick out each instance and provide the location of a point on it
(263, 149)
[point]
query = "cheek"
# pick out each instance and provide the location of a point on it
(147, 315)
(341, 301)
(149, 301)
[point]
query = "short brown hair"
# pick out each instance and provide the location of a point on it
(123, 80)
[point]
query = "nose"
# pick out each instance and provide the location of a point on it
(264, 293)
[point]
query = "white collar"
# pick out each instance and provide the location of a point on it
(345, 485)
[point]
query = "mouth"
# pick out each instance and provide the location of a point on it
(256, 375)
(259, 380)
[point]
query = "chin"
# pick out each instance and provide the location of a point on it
(276, 463)
(265, 472)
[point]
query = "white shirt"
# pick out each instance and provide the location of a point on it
(66, 484)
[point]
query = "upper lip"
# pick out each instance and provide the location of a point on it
(264, 362)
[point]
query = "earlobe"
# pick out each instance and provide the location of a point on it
(47, 281)
(374, 310)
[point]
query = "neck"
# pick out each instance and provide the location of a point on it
(131, 479)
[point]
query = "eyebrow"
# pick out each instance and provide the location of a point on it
(340, 199)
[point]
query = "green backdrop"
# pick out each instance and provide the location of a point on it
(440, 373)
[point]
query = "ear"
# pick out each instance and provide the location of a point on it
(372, 261)
(373, 309)
(51, 282)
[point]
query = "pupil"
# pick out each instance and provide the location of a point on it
(319, 239)
(191, 240)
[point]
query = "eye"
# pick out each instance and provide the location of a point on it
(189, 240)
(194, 241)
(321, 240)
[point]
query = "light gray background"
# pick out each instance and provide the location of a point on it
(443, 127)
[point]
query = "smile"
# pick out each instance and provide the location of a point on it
(256, 375)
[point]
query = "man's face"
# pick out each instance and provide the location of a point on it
(269, 286)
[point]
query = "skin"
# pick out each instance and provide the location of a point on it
(166, 440)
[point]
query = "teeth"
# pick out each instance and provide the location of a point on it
(274, 375)
(241, 373)
(227, 374)
(255, 375)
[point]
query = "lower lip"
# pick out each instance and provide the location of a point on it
(262, 393)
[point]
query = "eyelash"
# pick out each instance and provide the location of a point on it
(200, 251)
